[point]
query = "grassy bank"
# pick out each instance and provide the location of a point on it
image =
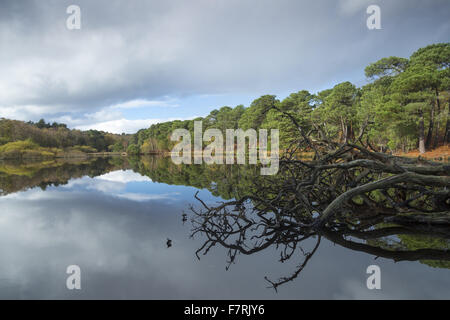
(28, 150)
(439, 154)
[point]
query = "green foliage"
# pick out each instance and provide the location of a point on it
(85, 149)
(26, 150)
(416, 242)
(386, 67)
(299, 106)
(57, 135)
(3, 140)
(18, 145)
(336, 111)
(407, 99)
(133, 149)
(254, 116)
(117, 147)
(435, 55)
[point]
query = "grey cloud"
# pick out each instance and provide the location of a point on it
(148, 49)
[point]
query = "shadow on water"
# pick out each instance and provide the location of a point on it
(261, 218)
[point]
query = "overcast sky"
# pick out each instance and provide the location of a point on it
(134, 63)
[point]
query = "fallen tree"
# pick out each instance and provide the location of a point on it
(346, 193)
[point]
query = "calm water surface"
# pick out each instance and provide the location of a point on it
(112, 218)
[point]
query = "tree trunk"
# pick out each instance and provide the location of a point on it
(436, 135)
(351, 132)
(430, 128)
(438, 123)
(344, 131)
(421, 133)
(447, 126)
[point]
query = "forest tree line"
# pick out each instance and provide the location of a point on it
(19, 134)
(404, 106)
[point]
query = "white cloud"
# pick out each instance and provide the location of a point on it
(111, 119)
(123, 176)
(140, 103)
(114, 184)
(122, 125)
(27, 112)
(141, 197)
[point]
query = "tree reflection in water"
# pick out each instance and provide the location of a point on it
(386, 206)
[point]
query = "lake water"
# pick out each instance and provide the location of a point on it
(112, 218)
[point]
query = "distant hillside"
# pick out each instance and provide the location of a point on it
(20, 139)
